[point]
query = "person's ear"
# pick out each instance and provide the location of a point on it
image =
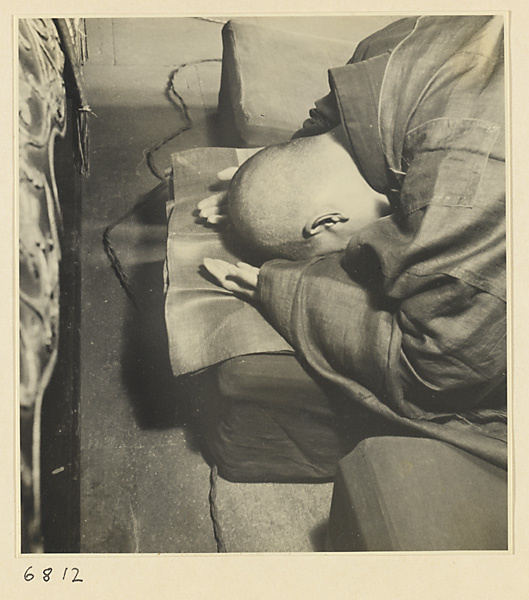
(318, 224)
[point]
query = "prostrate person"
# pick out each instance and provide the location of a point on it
(410, 319)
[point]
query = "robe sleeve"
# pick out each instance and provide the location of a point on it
(356, 342)
(325, 114)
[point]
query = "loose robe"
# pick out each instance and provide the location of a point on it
(410, 320)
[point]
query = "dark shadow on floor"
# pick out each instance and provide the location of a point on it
(160, 401)
(318, 537)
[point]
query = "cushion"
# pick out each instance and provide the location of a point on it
(264, 418)
(270, 80)
(396, 493)
(205, 323)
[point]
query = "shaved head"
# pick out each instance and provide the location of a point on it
(280, 192)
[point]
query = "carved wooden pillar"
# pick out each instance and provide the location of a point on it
(44, 240)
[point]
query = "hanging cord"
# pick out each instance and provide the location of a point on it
(213, 511)
(174, 96)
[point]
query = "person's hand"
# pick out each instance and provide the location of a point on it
(214, 209)
(241, 278)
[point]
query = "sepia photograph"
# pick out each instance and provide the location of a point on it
(262, 284)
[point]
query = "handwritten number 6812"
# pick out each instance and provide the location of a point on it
(46, 574)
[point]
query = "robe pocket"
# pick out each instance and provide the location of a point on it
(443, 162)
